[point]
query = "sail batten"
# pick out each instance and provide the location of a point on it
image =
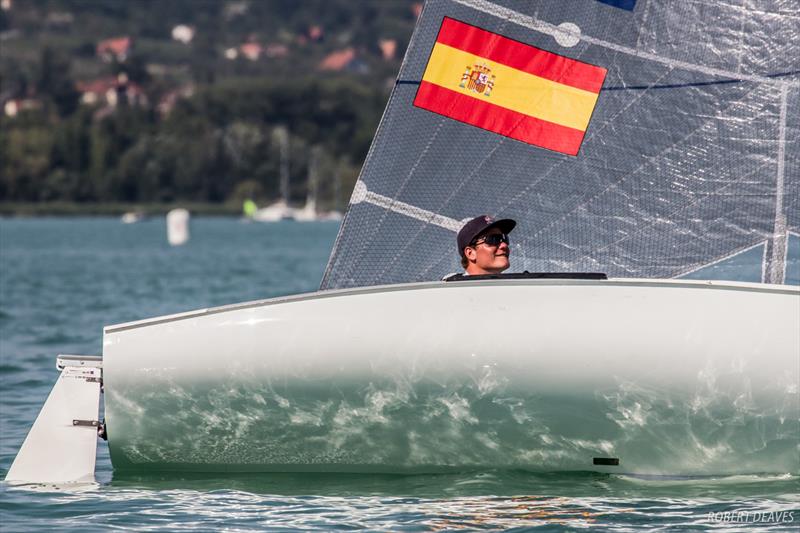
(686, 162)
(363, 195)
(777, 270)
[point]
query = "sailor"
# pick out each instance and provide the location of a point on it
(484, 246)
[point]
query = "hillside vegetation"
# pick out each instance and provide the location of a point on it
(178, 100)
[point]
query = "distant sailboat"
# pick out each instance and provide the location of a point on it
(310, 212)
(279, 210)
(334, 215)
(275, 212)
(132, 217)
(249, 209)
(330, 216)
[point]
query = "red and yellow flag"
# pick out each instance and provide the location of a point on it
(509, 87)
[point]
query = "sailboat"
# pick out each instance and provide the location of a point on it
(279, 210)
(132, 217)
(275, 212)
(309, 212)
(651, 144)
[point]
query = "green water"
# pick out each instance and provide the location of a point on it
(61, 280)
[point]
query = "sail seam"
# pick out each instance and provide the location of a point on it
(553, 31)
(693, 84)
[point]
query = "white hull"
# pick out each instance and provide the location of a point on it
(131, 217)
(307, 215)
(675, 378)
(274, 213)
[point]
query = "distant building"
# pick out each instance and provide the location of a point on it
(388, 48)
(338, 60)
(15, 106)
(315, 33)
(111, 91)
(183, 33)
(276, 50)
(251, 51)
(118, 48)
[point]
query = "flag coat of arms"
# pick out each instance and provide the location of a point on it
(510, 88)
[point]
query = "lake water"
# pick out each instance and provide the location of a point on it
(61, 280)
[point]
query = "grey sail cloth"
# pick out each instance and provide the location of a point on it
(690, 156)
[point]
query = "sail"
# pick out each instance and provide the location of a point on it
(639, 138)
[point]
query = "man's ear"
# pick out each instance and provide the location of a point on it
(470, 253)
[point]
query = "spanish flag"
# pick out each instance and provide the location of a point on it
(510, 88)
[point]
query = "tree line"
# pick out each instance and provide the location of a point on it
(215, 146)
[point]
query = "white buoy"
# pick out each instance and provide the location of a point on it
(178, 226)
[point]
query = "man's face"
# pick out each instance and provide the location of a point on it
(485, 258)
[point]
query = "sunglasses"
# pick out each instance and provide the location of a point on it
(494, 239)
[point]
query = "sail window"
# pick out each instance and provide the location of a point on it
(743, 266)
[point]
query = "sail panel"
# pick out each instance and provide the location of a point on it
(690, 155)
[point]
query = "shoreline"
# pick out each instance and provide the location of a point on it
(74, 209)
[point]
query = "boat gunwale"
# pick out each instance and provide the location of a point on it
(333, 293)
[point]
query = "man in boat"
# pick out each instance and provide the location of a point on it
(484, 246)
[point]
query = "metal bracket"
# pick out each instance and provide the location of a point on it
(93, 361)
(86, 423)
(101, 426)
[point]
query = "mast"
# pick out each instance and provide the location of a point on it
(337, 188)
(281, 136)
(776, 266)
(313, 179)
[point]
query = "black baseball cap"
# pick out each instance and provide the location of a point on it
(478, 225)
